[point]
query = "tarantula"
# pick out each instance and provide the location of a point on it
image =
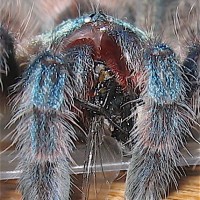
(100, 80)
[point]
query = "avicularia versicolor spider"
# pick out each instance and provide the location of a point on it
(105, 80)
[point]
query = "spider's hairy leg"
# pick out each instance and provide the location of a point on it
(191, 67)
(187, 31)
(162, 124)
(45, 132)
(8, 65)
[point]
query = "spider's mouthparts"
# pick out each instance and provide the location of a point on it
(99, 36)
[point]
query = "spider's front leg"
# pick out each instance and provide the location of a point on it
(162, 124)
(45, 133)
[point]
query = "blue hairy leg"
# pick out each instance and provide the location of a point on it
(45, 131)
(46, 112)
(161, 127)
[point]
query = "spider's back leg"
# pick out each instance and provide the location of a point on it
(8, 66)
(191, 67)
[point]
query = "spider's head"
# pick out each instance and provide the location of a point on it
(111, 41)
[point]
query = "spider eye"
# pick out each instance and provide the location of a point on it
(98, 15)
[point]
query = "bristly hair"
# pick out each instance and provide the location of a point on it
(187, 25)
(19, 18)
(55, 77)
(17, 22)
(122, 9)
(162, 125)
(8, 66)
(187, 29)
(45, 133)
(101, 152)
